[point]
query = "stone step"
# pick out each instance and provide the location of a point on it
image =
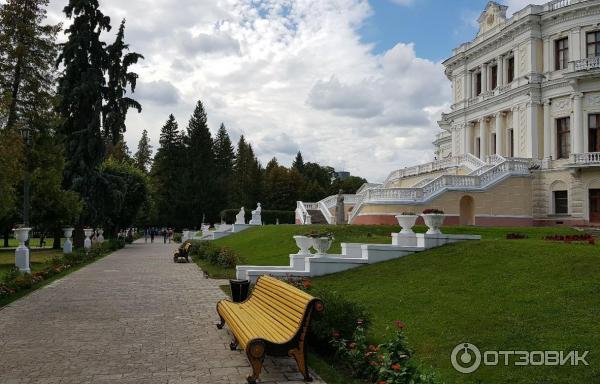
(317, 217)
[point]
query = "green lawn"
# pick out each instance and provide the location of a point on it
(497, 294)
(35, 242)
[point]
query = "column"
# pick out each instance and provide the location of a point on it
(516, 129)
(468, 85)
(516, 59)
(500, 71)
(575, 44)
(483, 139)
(548, 67)
(469, 138)
(547, 130)
(500, 128)
(484, 78)
(577, 127)
(533, 136)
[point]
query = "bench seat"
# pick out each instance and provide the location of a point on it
(274, 321)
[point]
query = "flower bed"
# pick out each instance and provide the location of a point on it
(589, 239)
(516, 236)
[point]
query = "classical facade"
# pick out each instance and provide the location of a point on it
(521, 143)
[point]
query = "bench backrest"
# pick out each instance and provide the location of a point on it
(281, 301)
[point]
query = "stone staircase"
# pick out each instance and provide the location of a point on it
(317, 217)
(353, 255)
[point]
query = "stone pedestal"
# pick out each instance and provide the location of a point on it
(87, 243)
(68, 245)
(100, 235)
(22, 252)
(404, 239)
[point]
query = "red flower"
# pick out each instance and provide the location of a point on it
(381, 382)
(306, 283)
(335, 334)
(400, 324)
(372, 348)
(396, 367)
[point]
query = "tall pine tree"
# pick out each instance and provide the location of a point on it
(143, 156)
(119, 78)
(224, 158)
(81, 89)
(167, 178)
(246, 184)
(200, 159)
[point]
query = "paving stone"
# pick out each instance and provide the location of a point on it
(131, 317)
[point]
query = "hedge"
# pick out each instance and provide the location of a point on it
(268, 217)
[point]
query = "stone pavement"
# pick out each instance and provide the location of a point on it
(131, 317)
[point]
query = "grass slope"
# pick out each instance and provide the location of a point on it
(497, 294)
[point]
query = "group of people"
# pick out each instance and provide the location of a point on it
(166, 233)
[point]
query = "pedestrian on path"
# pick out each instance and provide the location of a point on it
(146, 235)
(164, 231)
(152, 235)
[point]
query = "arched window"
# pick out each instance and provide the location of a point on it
(559, 198)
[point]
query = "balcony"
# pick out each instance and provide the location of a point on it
(585, 159)
(586, 64)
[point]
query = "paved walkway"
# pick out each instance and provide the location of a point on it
(132, 317)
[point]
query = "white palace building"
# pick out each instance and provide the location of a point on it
(521, 142)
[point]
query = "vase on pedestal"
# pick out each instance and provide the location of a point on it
(407, 222)
(322, 244)
(433, 221)
(22, 252)
(304, 243)
(87, 243)
(100, 235)
(68, 245)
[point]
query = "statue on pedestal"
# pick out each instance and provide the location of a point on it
(256, 219)
(240, 218)
(340, 212)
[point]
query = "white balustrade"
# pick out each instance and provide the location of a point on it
(557, 4)
(587, 63)
(586, 158)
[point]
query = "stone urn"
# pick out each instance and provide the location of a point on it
(433, 221)
(22, 252)
(100, 235)
(407, 222)
(87, 243)
(68, 245)
(304, 243)
(321, 244)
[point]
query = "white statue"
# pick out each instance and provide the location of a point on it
(240, 218)
(256, 219)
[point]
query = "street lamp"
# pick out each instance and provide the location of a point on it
(26, 135)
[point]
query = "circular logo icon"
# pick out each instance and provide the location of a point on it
(466, 358)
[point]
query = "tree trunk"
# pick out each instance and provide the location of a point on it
(12, 108)
(78, 236)
(6, 237)
(57, 237)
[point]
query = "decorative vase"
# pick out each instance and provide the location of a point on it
(87, 243)
(407, 222)
(433, 221)
(22, 252)
(304, 243)
(322, 244)
(100, 235)
(68, 245)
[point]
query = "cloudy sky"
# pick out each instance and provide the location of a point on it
(355, 84)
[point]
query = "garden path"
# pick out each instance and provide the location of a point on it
(131, 317)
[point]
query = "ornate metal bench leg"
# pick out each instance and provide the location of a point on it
(300, 356)
(221, 324)
(233, 345)
(256, 355)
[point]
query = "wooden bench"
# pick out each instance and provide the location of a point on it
(273, 321)
(183, 252)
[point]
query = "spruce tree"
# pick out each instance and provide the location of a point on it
(119, 78)
(167, 178)
(27, 74)
(224, 158)
(143, 156)
(81, 88)
(200, 159)
(246, 176)
(298, 163)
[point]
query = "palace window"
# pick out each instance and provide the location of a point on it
(478, 147)
(511, 70)
(561, 202)
(563, 133)
(493, 143)
(594, 132)
(478, 84)
(494, 76)
(593, 44)
(561, 54)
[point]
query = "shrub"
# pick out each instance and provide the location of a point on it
(177, 237)
(227, 258)
(433, 211)
(268, 216)
(388, 363)
(516, 236)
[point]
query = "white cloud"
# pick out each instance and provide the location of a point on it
(288, 74)
(403, 2)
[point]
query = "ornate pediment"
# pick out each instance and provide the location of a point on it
(494, 14)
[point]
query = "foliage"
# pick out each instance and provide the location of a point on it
(221, 256)
(223, 168)
(387, 363)
(433, 211)
(246, 176)
(407, 214)
(349, 185)
(143, 156)
(227, 258)
(280, 186)
(11, 154)
(268, 216)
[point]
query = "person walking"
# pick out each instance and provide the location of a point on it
(146, 235)
(164, 233)
(151, 235)
(170, 234)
